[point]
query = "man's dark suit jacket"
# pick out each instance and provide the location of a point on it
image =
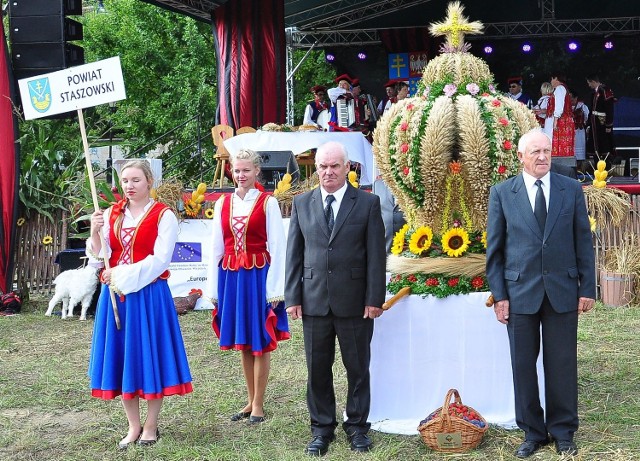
(523, 263)
(339, 273)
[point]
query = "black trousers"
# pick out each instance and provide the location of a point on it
(559, 349)
(354, 337)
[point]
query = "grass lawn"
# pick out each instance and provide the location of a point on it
(46, 412)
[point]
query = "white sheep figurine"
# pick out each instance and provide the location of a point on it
(73, 287)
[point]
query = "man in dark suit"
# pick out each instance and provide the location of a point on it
(541, 271)
(335, 281)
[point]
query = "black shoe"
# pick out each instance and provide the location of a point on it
(125, 445)
(148, 443)
(241, 415)
(360, 442)
(566, 447)
(319, 445)
(529, 447)
(256, 419)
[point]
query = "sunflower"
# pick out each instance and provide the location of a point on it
(20, 222)
(420, 240)
(47, 240)
(455, 242)
(398, 240)
(192, 208)
(208, 213)
(484, 239)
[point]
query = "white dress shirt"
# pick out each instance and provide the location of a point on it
(532, 189)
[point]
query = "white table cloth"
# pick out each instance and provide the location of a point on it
(422, 347)
(358, 147)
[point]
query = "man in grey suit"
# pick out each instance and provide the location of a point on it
(541, 271)
(335, 281)
(392, 215)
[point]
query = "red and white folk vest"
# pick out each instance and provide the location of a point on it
(245, 237)
(133, 244)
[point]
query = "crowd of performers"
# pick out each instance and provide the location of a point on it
(578, 129)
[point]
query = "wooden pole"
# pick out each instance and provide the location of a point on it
(96, 207)
(404, 291)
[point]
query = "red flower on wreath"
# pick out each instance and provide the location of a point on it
(453, 282)
(477, 282)
(412, 278)
(431, 282)
(409, 106)
(404, 148)
(405, 170)
(502, 169)
(496, 103)
(503, 121)
(404, 126)
(507, 145)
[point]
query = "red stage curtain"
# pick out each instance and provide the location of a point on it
(8, 167)
(250, 47)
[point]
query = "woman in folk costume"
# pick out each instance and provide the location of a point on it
(247, 283)
(145, 359)
(580, 117)
(563, 126)
(540, 109)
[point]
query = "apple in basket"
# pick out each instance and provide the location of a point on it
(461, 411)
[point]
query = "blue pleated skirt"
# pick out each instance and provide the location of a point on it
(244, 320)
(146, 358)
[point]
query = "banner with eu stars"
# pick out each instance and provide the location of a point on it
(191, 260)
(187, 252)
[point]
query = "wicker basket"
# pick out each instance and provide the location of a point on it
(451, 434)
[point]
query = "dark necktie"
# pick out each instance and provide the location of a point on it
(328, 212)
(540, 210)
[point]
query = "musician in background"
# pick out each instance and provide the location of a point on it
(342, 91)
(402, 91)
(364, 122)
(600, 132)
(515, 91)
(390, 89)
(316, 106)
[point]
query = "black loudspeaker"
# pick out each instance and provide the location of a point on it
(40, 31)
(274, 166)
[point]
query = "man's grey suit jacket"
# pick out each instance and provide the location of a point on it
(523, 262)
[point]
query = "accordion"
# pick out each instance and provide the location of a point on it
(345, 112)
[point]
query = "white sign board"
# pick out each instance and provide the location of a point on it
(72, 89)
(191, 259)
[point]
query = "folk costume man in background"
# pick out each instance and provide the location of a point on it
(515, 92)
(315, 107)
(342, 91)
(363, 113)
(542, 275)
(600, 132)
(335, 282)
(390, 89)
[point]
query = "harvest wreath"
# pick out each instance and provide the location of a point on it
(439, 153)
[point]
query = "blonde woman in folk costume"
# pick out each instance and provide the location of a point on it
(247, 280)
(146, 358)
